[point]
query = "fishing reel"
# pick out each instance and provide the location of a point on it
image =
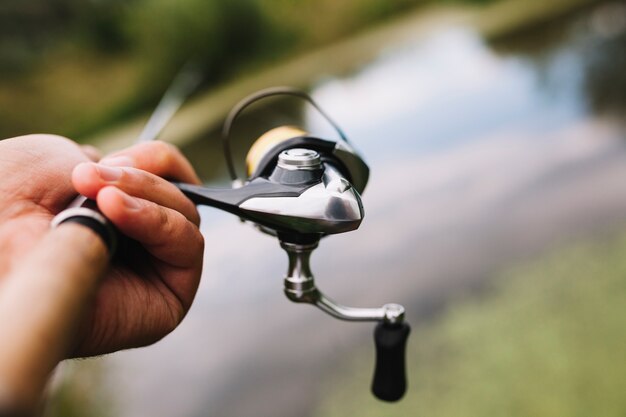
(301, 188)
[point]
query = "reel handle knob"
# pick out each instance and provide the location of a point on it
(389, 383)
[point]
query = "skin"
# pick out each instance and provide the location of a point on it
(149, 287)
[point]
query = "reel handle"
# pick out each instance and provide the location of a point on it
(389, 382)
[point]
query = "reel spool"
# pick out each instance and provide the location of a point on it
(263, 154)
(262, 150)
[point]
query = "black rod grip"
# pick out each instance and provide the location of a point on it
(389, 382)
(86, 212)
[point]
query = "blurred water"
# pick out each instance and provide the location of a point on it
(482, 155)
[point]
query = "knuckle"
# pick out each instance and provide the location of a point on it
(92, 152)
(194, 216)
(148, 179)
(139, 180)
(170, 223)
(165, 221)
(198, 239)
(165, 150)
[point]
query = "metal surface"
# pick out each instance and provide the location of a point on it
(331, 206)
(77, 212)
(299, 159)
(300, 288)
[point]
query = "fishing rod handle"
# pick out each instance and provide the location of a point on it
(85, 212)
(389, 383)
(44, 299)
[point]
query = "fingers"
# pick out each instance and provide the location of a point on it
(92, 152)
(157, 157)
(165, 233)
(90, 178)
(36, 169)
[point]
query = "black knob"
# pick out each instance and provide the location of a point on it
(389, 382)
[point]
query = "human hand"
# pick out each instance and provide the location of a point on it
(151, 285)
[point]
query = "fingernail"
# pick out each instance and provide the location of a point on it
(109, 173)
(118, 161)
(130, 202)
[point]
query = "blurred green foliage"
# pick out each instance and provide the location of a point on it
(79, 391)
(30, 29)
(219, 36)
(75, 66)
(544, 340)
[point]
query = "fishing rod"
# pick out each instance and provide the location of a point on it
(298, 188)
(186, 81)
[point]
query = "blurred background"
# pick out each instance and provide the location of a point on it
(496, 210)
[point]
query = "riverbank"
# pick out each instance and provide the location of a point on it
(541, 340)
(207, 111)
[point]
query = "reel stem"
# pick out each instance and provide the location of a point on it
(300, 288)
(391, 333)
